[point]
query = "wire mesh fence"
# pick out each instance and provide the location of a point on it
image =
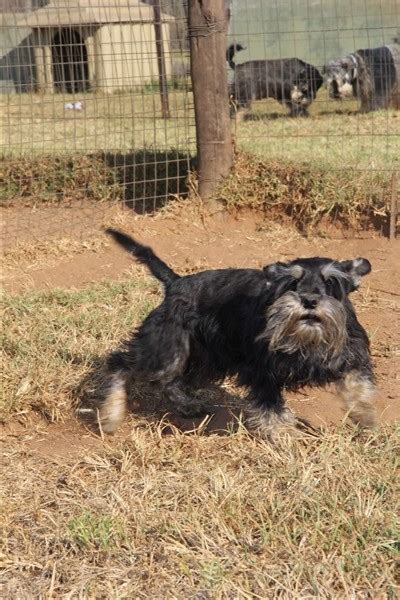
(325, 36)
(98, 106)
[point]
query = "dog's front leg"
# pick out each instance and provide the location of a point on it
(268, 412)
(357, 391)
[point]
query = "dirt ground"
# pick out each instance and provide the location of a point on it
(195, 242)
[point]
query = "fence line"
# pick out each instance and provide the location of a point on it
(98, 106)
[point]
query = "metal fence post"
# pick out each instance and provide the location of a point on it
(207, 32)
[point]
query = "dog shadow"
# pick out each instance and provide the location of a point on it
(337, 111)
(223, 412)
(261, 116)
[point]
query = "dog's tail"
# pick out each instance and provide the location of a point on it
(230, 53)
(145, 256)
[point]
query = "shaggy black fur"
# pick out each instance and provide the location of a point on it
(372, 75)
(282, 327)
(291, 81)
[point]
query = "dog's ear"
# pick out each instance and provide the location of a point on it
(281, 269)
(355, 269)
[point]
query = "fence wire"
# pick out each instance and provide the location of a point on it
(97, 107)
(323, 34)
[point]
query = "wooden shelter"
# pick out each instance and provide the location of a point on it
(100, 45)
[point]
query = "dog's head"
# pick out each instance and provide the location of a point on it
(301, 95)
(308, 310)
(305, 86)
(340, 76)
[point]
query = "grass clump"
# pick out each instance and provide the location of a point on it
(305, 194)
(146, 177)
(100, 532)
(52, 179)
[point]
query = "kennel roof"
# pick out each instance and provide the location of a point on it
(78, 12)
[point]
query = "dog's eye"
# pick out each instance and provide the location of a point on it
(330, 285)
(292, 285)
(333, 288)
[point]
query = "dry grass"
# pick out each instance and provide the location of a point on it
(72, 180)
(165, 514)
(306, 194)
(120, 122)
(196, 516)
(63, 333)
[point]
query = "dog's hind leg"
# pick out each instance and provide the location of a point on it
(113, 406)
(357, 390)
(169, 363)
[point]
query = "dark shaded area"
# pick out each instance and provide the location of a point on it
(259, 116)
(148, 178)
(70, 62)
(17, 68)
(223, 408)
(143, 180)
(339, 111)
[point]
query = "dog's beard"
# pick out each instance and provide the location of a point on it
(298, 97)
(345, 90)
(292, 328)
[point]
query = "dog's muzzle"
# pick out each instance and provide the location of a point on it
(346, 90)
(298, 96)
(309, 324)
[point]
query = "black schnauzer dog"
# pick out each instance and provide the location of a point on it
(283, 327)
(290, 81)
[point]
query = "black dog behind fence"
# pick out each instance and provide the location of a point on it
(290, 81)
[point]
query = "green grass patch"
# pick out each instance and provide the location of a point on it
(99, 532)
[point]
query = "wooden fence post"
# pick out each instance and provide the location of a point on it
(394, 207)
(162, 75)
(207, 33)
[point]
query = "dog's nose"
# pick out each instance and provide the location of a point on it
(309, 302)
